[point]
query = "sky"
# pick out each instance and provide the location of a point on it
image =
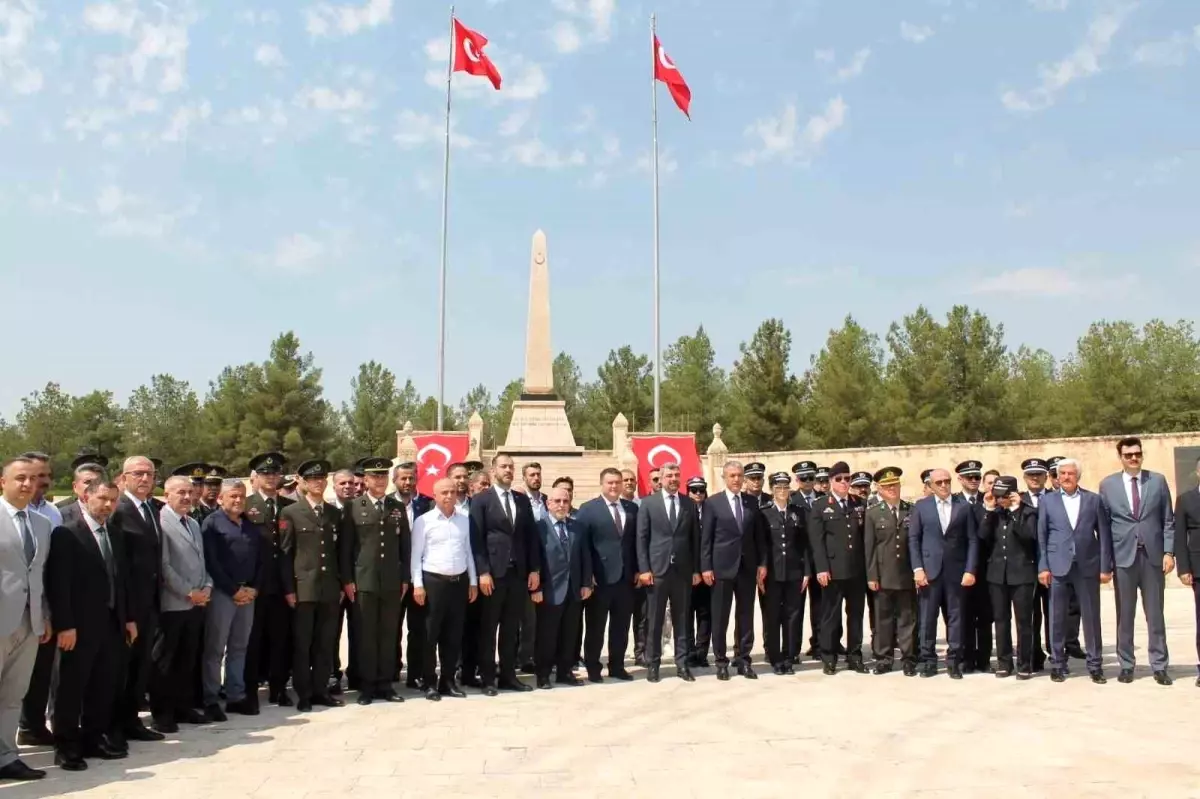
(181, 181)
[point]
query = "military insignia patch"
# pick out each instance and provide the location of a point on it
(283, 525)
(254, 515)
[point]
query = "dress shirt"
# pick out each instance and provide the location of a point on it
(734, 502)
(1036, 496)
(1071, 503)
(944, 511)
(620, 509)
(539, 509)
(48, 510)
(138, 503)
(442, 545)
(1126, 480)
(460, 506)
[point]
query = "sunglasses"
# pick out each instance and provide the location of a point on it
(840, 479)
(1131, 455)
(941, 482)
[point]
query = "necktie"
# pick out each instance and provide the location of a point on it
(737, 510)
(508, 508)
(26, 537)
(1137, 497)
(1035, 498)
(896, 514)
(562, 533)
(107, 553)
(271, 509)
(616, 514)
(671, 510)
(149, 517)
(379, 506)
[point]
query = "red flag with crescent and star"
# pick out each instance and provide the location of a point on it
(653, 451)
(435, 453)
(666, 71)
(469, 56)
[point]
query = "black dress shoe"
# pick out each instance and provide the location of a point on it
(829, 667)
(413, 685)
(1076, 651)
(104, 751)
(37, 737)
(722, 672)
(1002, 673)
(857, 666)
(390, 696)
(620, 674)
(471, 682)
(138, 732)
(928, 670)
(747, 671)
(164, 725)
(513, 685)
(639, 660)
(777, 669)
(910, 669)
(787, 668)
(243, 707)
(883, 668)
(1024, 675)
(528, 667)
(335, 688)
(955, 671)
(327, 701)
(1162, 678)
(452, 690)
(191, 716)
(968, 668)
(685, 674)
(1056, 675)
(17, 770)
(568, 679)
(364, 699)
(594, 675)
(284, 699)
(432, 695)
(490, 690)
(1126, 676)
(70, 761)
(304, 705)
(652, 674)
(544, 683)
(1098, 677)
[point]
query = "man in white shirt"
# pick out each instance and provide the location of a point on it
(444, 583)
(39, 504)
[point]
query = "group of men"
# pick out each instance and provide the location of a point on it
(117, 601)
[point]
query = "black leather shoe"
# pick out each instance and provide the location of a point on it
(722, 672)
(967, 668)
(1024, 675)
(1056, 675)
(104, 751)
(857, 667)
(883, 668)
(432, 695)
(910, 669)
(620, 674)
(452, 690)
(829, 668)
(652, 674)
(1002, 673)
(138, 732)
(639, 660)
(70, 761)
(165, 726)
(38, 737)
(284, 700)
(955, 671)
(1076, 651)
(17, 770)
(594, 675)
(1162, 678)
(191, 716)
(490, 690)
(243, 707)
(364, 699)
(335, 688)
(471, 682)
(413, 685)
(747, 671)
(327, 701)
(568, 679)
(787, 668)
(928, 670)
(777, 669)
(513, 685)
(544, 683)
(685, 674)
(1126, 676)
(304, 705)
(1098, 677)
(528, 667)
(390, 696)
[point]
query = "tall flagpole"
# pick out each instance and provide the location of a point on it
(441, 379)
(654, 120)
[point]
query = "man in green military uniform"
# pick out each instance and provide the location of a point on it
(890, 575)
(374, 544)
(307, 531)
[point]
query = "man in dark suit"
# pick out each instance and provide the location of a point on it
(1187, 549)
(136, 516)
(890, 576)
(508, 564)
(1036, 472)
(668, 545)
(89, 607)
(733, 561)
(608, 527)
(531, 478)
(1074, 548)
(944, 550)
(977, 621)
(564, 584)
(787, 575)
(699, 630)
(835, 532)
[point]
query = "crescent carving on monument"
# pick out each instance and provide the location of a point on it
(539, 259)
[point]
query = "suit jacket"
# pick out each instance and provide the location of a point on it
(1187, 540)
(886, 545)
(309, 552)
(565, 570)
(78, 580)
(727, 547)
(955, 551)
(273, 567)
(143, 553)
(1088, 544)
(786, 552)
(1011, 538)
(374, 548)
(183, 567)
(23, 583)
(613, 555)
(836, 538)
(496, 542)
(1155, 522)
(72, 510)
(662, 546)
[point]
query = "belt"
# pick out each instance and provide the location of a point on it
(446, 578)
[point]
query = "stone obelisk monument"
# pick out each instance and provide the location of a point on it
(539, 422)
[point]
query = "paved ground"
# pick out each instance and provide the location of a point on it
(849, 735)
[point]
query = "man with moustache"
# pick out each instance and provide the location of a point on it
(1035, 472)
(88, 466)
(415, 504)
(890, 575)
(564, 584)
(608, 526)
(345, 490)
(836, 537)
(39, 503)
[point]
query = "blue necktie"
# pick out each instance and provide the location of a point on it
(562, 533)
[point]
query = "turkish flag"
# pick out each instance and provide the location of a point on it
(653, 451)
(469, 56)
(435, 453)
(666, 71)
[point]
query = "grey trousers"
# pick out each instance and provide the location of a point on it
(17, 653)
(1146, 576)
(226, 635)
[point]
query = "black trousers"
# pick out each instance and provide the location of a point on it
(469, 646)
(814, 616)
(88, 685)
(676, 587)
(724, 592)
(851, 594)
(137, 665)
(376, 618)
(446, 603)
(41, 684)
(1041, 631)
(699, 626)
(269, 653)
(557, 630)
(175, 653)
(313, 634)
(977, 626)
(1196, 596)
(896, 625)
(1009, 601)
(783, 609)
(347, 620)
(414, 644)
(499, 627)
(641, 620)
(611, 606)
(527, 638)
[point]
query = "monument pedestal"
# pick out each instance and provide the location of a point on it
(540, 427)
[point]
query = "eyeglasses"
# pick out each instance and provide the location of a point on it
(840, 479)
(559, 501)
(141, 473)
(974, 477)
(1131, 455)
(941, 482)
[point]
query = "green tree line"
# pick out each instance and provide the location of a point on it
(926, 381)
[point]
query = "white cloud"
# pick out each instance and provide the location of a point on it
(1080, 279)
(914, 33)
(5, 119)
(596, 14)
(322, 98)
(514, 122)
(1169, 52)
(856, 66)
(1083, 62)
(1050, 5)
(111, 200)
(183, 118)
(418, 130)
(326, 19)
(111, 17)
(269, 55)
(825, 56)
(565, 37)
(17, 22)
(781, 136)
(523, 79)
(298, 252)
(534, 153)
(157, 53)
(668, 164)
(129, 216)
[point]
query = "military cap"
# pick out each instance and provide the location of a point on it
(288, 482)
(1007, 481)
(268, 463)
(860, 479)
(1034, 466)
(754, 469)
(314, 468)
(1052, 463)
(157, 464)
(804, 469)
(357, 468)
(196, 470)
(839, 468)
(969, 469)
(90, 459)
(215, 473)
(473, 466)
(697, 484)
(821, 474)
(781, 479)
(890, 476)
(376, 465)
(925, 475)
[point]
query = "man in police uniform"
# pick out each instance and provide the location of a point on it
(926, 488)
(860, 485)
(269, 655)
(805, 494)
(787, 576)
(307, 530)
(977, 601)
(890, 575)
(1035, 472)
(803, 497)
(699, 626)
(374, 545)
(754, 474)
(821, 481)
(835, 531)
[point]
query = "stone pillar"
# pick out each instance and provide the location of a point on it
(475, 428)
(539, 372)
(406, 448)
(717, 454)
(620, 428)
